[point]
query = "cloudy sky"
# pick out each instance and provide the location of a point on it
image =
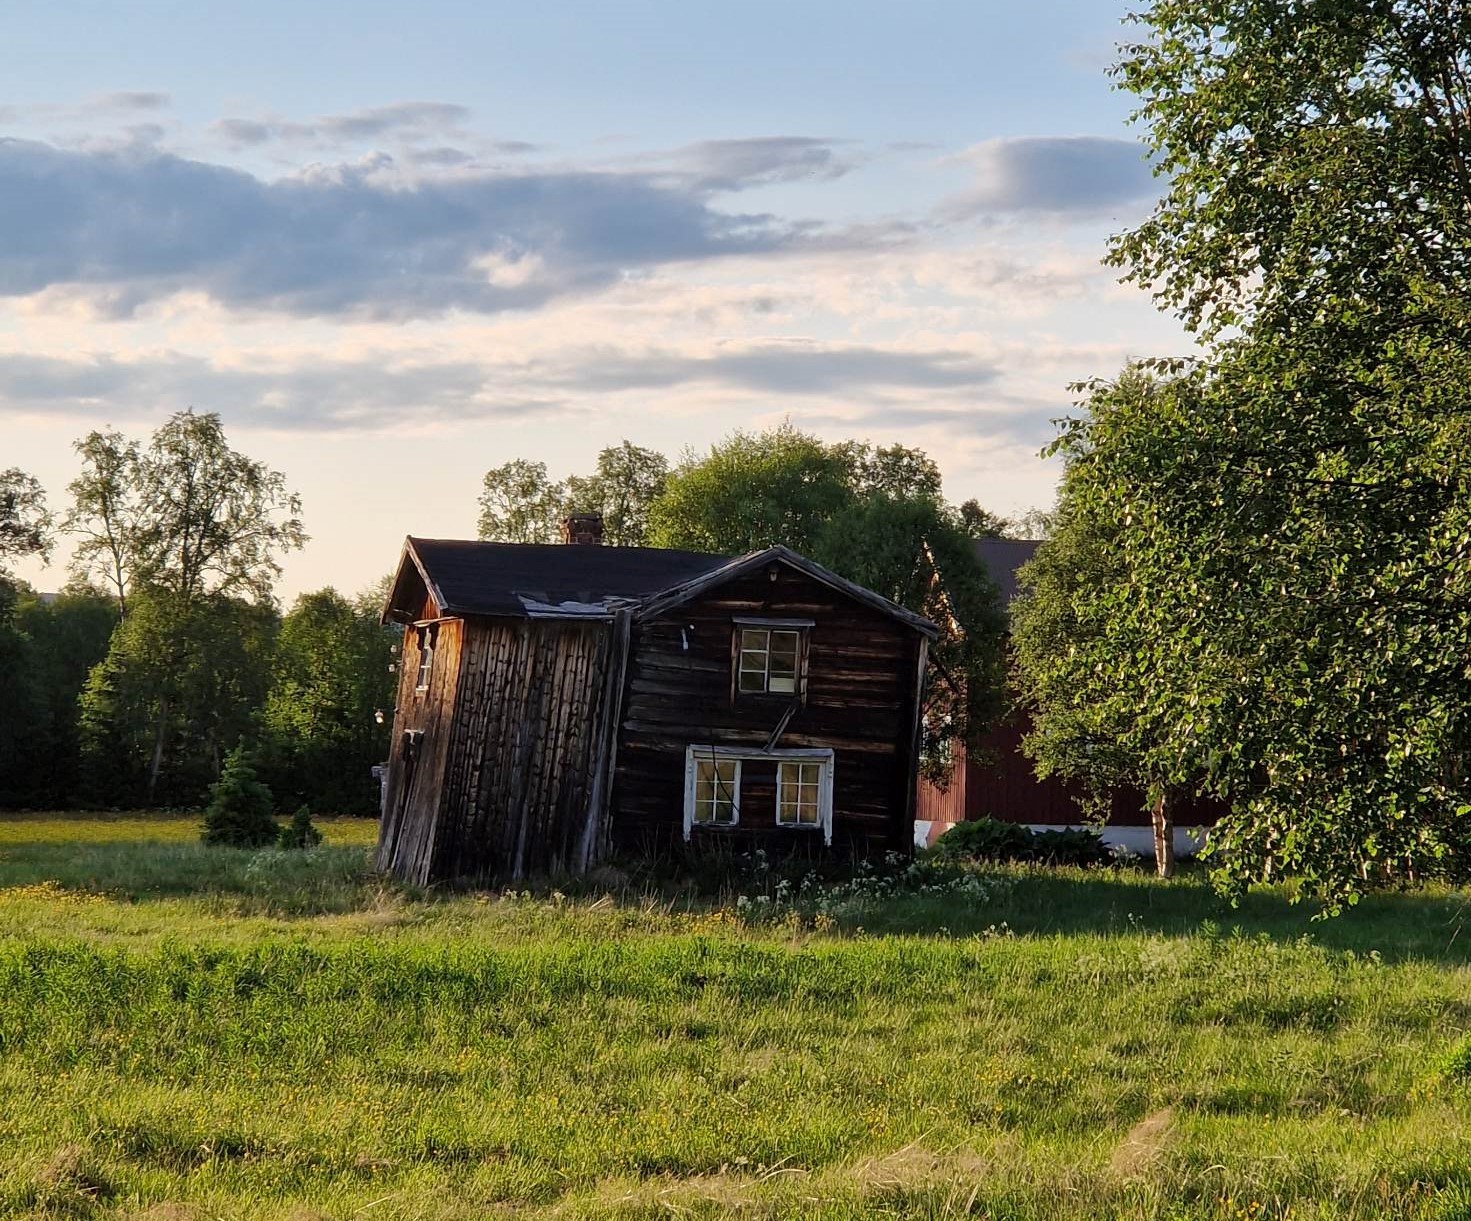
(393, 245)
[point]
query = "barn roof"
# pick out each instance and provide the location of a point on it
(1001, 558)
(530, 580)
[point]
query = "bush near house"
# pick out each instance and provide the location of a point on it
(989, 839)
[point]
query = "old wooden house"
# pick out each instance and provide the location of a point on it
(558, 703)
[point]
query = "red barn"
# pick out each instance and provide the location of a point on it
(1006, 787)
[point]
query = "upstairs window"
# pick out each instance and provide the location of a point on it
(770, 660)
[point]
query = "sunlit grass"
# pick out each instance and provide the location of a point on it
(274, 1037)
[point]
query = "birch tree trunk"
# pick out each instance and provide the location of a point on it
(1163, 818)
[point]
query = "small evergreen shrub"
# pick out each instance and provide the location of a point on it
(990, 839)
(240, 806)
(299, 832)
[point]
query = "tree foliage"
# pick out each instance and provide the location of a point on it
(915, 554)
(25, 525)
(519, 504)
(754, 490)
(626, 482)
(1313, 155)
(49, 647)
(1081, 637)
(331, 674)
(179, 687)
(1289, 547)
(188, 514)
(104, 514)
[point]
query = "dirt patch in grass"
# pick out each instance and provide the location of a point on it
(1143, 1147)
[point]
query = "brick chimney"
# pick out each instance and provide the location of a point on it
(583, 528)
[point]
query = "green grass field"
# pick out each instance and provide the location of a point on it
(198, 1033)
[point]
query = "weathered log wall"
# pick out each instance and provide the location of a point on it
(420, 752)
(859, 700)
(520, 790)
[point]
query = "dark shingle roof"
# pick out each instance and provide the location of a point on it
(559, 580)
(1001, 558)
(471, 578)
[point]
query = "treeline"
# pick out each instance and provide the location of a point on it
(166, 650)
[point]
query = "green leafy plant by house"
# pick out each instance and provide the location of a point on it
(299, 832)
(990, 839)
(240, 806)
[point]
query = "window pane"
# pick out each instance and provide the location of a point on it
(715, 790)
(800, 790)
(753, 682)
(755, 640)
(755, 663)
(783, 675)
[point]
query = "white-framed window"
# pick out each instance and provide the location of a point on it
(799, 792)
(770, 660)
(804, 787)
(426, 659)
(716, 800)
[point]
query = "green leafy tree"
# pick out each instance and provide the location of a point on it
(59, 640)
(330, 676)
(627, 481)
(751, 491)
(180, 686)
(519, 504)
(191, 526)
(981, 523)
(25, 525)
(1086, 666)
(239, 814)
(209, 520)
(893, 472)
(21, 698)
(105, 513)
(1314, 157)
(914, 553)
(1293, 556)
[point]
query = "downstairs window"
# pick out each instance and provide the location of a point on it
(804, 788)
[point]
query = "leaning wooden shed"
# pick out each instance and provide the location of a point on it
(556, 703)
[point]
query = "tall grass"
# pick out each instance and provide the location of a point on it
(472, 1056)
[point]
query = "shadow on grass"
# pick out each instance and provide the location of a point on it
(1026, 901)
(1036, 901)
(322, 880)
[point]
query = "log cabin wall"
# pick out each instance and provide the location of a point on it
(420, 749)
(520, 789)
(860, 700)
